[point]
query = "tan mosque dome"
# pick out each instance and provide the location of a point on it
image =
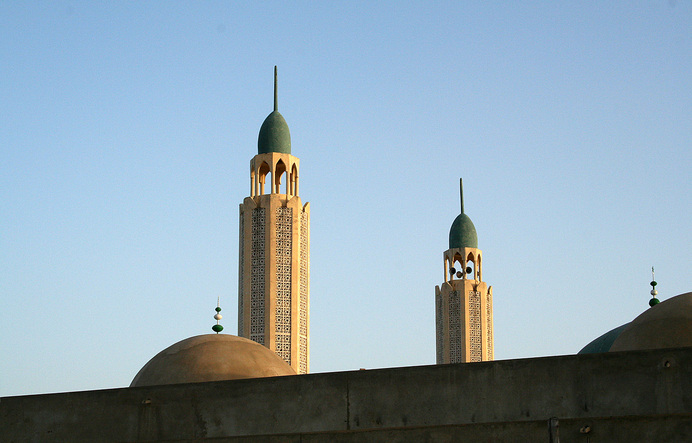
(211, 357)
(665, 325)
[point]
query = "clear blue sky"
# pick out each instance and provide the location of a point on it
(127, 128)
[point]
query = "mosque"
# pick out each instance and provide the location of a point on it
(633, 383)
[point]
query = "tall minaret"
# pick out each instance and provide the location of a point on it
(464, 302)
(274, 269)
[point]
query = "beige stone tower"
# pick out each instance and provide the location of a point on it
(464, 302)
(274, 274)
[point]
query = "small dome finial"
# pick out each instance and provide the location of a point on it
(276, 93)
(654, 301)
(461, 193)
(217, 327)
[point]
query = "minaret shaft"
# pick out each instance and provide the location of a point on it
(464, 313)
(274, 269)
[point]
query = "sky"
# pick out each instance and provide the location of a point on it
(127, 129)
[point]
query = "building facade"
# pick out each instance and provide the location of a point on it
(274, 265)
(464, 302)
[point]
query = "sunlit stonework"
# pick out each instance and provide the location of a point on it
(464, 302)
(274, 270)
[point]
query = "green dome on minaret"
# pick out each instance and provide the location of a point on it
(274, 135)
(462, 233)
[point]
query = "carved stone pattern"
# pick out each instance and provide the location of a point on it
(439, 329)
(489, 319)
(259, 218)
(475, 339)
(284, 244)
(241, 264)
(283, 346)
(303, 360)
(303, 302)
(456, 350)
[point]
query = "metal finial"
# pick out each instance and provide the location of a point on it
(217, 327)
(654, 301)
(276, 95)
(461, 194)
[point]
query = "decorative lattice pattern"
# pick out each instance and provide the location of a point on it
(259, 217)
(304, 295)
(284, 243)
(241, 263)
(489, 320)
(456, 349)
(475, 339)
(283, 346)
(303, 362)
(439, 329)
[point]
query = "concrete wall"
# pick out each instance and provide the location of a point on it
(633, 396)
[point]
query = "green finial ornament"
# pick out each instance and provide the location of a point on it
(654, 301)
(217, 327)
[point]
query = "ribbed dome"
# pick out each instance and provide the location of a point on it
(211, 357)
(274, 135)
(462, 233)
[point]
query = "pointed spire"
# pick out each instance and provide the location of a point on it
(461, 193)
(276, 94)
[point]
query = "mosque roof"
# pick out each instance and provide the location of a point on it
(604, 342)
(667, 324)
(211, 357)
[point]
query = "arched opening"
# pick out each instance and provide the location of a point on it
(479, 268)
(263, 172)
(470, 268)
(456, 267)
(279, 171)
(294, 180)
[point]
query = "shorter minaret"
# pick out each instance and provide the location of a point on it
(464, 302)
